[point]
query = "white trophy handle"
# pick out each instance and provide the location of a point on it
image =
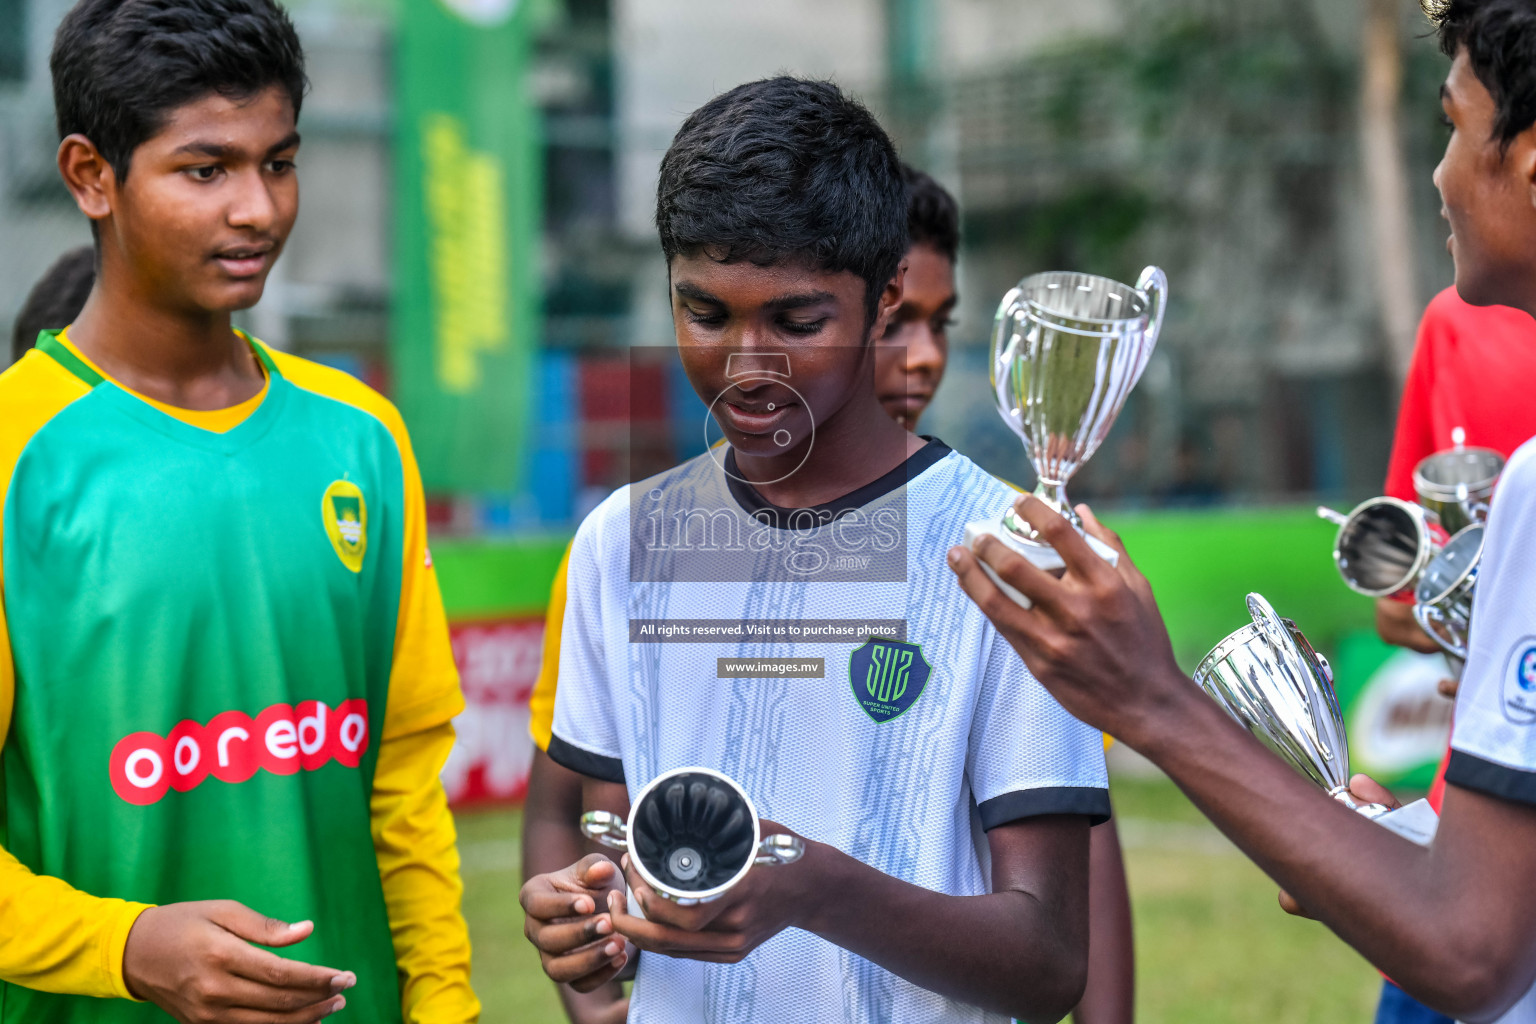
(780, 849)
(1154, 284)
(1336, 518)
(1432, 621)
(605, 827)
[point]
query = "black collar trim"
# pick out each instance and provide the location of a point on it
(780, 518)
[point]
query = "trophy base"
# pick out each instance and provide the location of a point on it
(1041, 556)
(1415, 822)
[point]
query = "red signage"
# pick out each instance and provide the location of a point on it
(498, 664)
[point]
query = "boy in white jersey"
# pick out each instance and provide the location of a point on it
(946, 826)
(1454, 924)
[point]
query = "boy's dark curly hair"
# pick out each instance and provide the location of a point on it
(120, 66)
(786, 169)
(933, 216)
(1500, 39)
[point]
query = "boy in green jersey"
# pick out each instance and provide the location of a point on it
(225, 679)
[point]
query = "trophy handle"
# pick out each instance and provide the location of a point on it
(1432, 621)
(605, 827)
(1154, 284)
(780, 849)
(1336, 518)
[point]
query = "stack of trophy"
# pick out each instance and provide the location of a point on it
(1387, 547)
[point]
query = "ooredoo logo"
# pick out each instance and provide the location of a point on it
(283, 739)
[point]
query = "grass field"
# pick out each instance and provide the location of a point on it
(1211, 945)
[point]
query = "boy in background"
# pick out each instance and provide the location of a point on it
(225, 677)
(55, 300)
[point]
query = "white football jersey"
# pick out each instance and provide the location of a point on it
(903, 775)
(1493, 744)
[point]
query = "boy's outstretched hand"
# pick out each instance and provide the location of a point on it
(195, 961)
(1094, 637)
(722, 931)
(569, 921)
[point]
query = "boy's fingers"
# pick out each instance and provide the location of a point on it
(1290, 906)
(1363, 787)
(660, 909)
(269, 969)
(994, 604)
(308, 1015)
(1060, 534)
(242, 921)
(1098, 531)
(578, 965)
(1017, 571)
(656, 937)
(596, 871)
(244, 994)
(560, 939)
(551, 905)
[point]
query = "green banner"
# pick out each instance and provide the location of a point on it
(467, 211)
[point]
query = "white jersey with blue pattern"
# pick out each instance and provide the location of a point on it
(904, 778)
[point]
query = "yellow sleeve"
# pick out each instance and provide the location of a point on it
(541, 704)
(418, 857)
(53, 937)
(413, 833)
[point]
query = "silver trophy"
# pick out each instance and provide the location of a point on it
(1442, 601)
(1457, 484)
(692, 834)
(1066, 351)
(1382, 546)
(1267, 677)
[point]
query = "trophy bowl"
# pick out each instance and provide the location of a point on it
(1382, 546)
(1273, 683)
(1067, 349)
(1457, 484)
(1442, 601)
(692, 834)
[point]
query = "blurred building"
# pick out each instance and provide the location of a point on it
(1218, 140)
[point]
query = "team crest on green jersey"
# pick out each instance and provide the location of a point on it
(887, 677)
(345, 515)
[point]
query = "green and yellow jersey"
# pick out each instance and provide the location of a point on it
(224, 674)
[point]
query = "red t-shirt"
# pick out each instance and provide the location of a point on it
(1473, 368)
